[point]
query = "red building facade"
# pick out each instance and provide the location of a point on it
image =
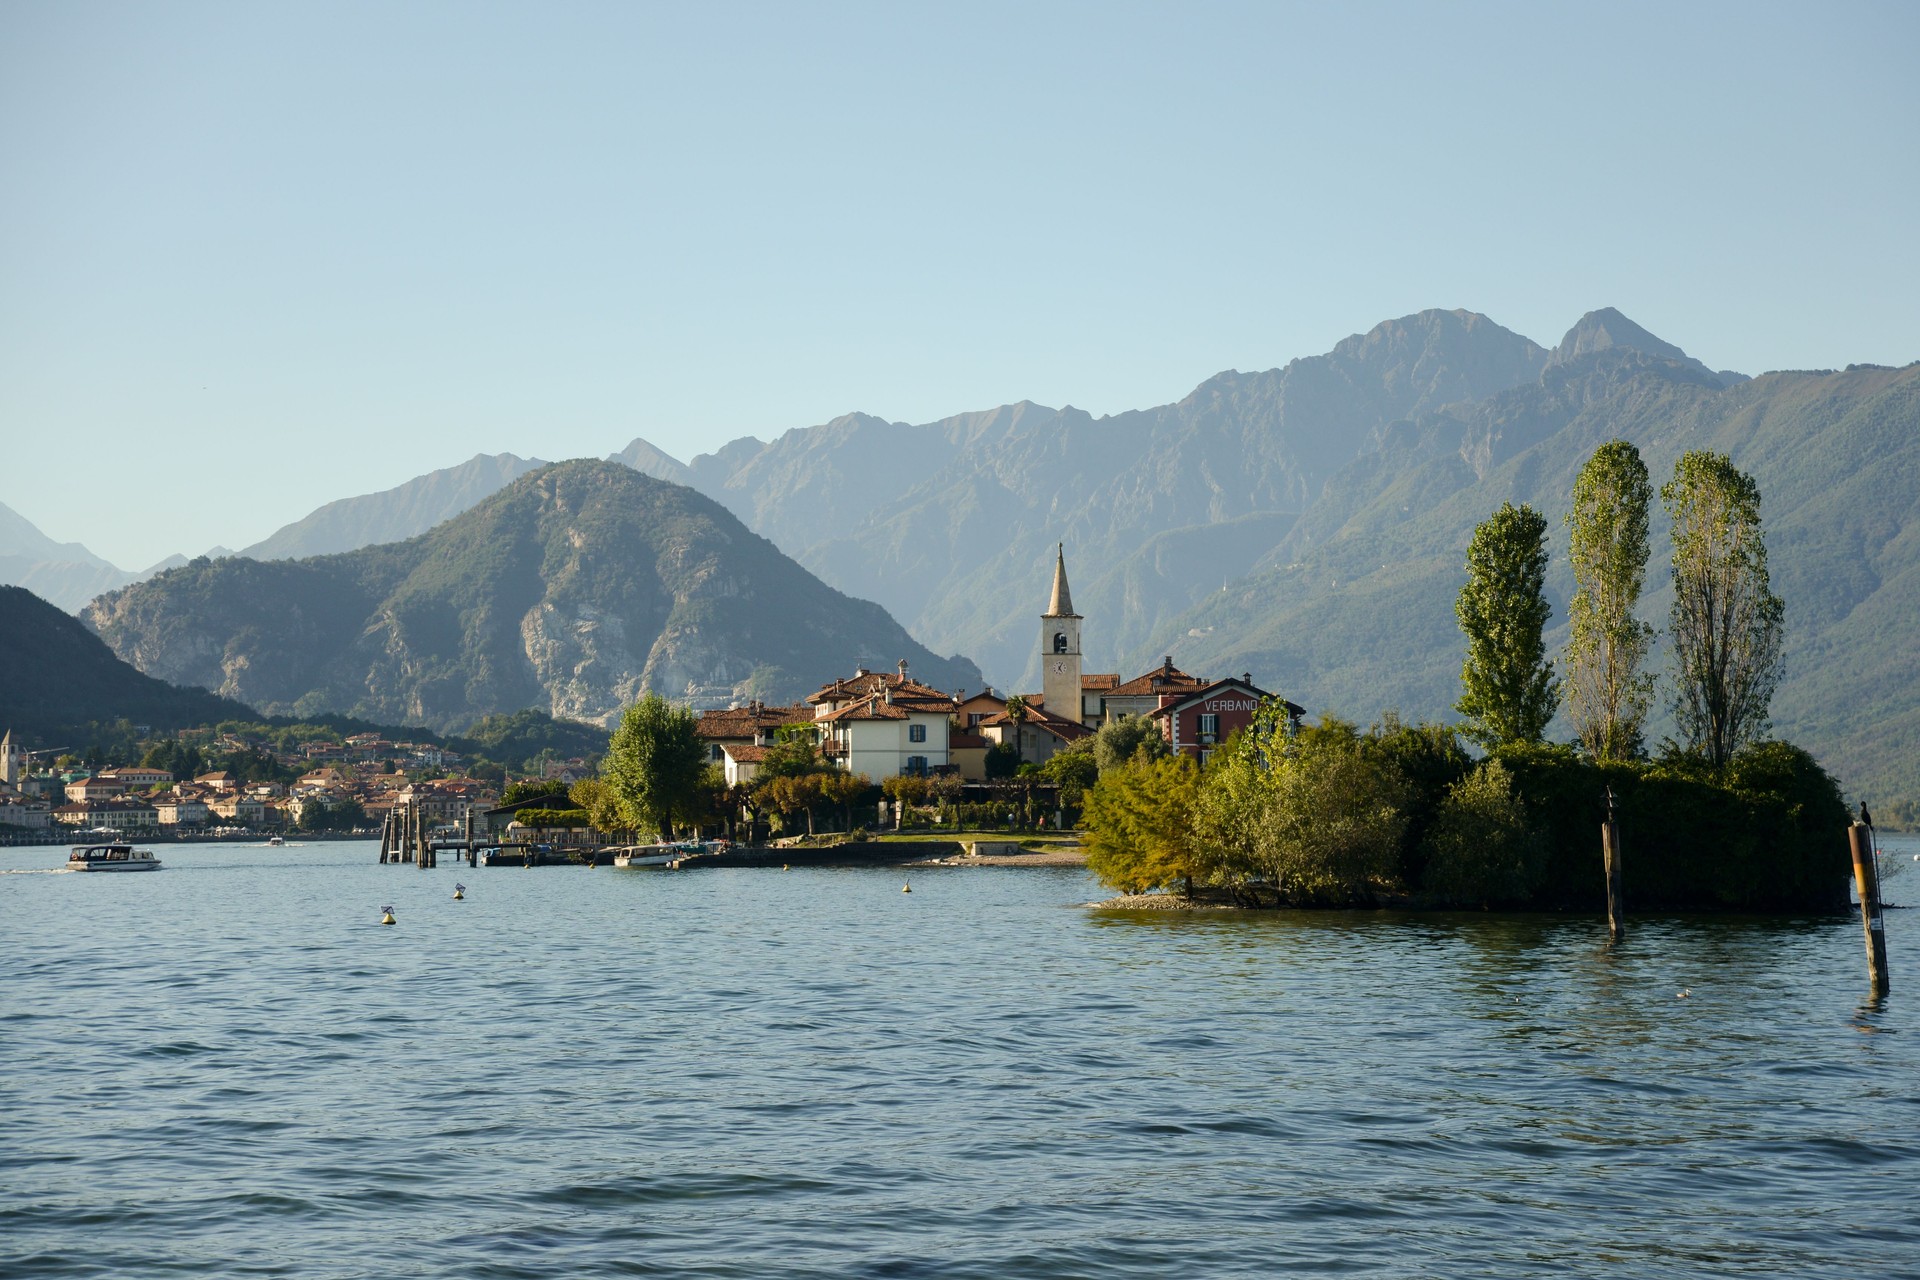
(1199, 722)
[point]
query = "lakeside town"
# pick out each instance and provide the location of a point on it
(881, 731)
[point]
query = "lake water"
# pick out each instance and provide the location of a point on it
(229, 1068)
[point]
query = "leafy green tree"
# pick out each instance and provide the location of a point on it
(905, 788)
(1482, 851)
(795, 751)
(1003, 760)
(1508, 691)
(1430, 758)
(843, 788)
(602, 806)
(1119, 741)
(1319, 817)
(1072, 772)
(532, 789)
(796, 793)
(1607, 693)
(654, 762)
(1140, 830)
(1726, 625)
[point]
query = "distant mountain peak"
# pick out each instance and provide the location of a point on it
(395, 514)
(1599, 330)
(1607, 328)
(649, 460)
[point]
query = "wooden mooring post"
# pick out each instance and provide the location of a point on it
(1866, 880)
(1610, 860)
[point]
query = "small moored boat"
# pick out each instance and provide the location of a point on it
(647, 855)
(110, 857)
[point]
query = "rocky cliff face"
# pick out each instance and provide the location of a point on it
(574, 589)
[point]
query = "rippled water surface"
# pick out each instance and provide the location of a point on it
(230, 1068)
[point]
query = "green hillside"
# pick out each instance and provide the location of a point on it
(58, 679)
(574, 589)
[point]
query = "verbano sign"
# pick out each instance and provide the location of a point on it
(1229, 704)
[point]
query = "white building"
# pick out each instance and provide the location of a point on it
(882, 725)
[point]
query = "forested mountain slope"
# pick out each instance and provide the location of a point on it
(574, 589)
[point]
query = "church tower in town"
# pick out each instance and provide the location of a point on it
(12, 760)
(1060, 648)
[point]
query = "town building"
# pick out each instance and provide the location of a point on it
(247, 810)
(121, 814)
(1194, 714)
(883, 725)
(132, 776)
(19, 811)
(93, 787)
(1196, 722)
(177, 810)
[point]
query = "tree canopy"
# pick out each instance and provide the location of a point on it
(1508, 691)
(654, 764)
(1607, 692)
(1726, 624)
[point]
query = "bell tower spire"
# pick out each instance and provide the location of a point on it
(1060, 647)
(1061, 606)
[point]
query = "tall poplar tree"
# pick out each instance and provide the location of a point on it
(1607, 693)
(1508, 691)
(1726, 626)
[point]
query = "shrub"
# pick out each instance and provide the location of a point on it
(1481, 850)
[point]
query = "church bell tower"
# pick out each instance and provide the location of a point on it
(1060, 648)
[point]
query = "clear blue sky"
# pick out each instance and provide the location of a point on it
(254, 257)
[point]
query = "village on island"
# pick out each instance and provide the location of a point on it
(871, 727)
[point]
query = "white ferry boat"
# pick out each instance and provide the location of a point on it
(110, 857)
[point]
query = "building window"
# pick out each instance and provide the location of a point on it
(916, 733)
(1209, 724)
(1059, 642)
(1205, 755)
(917, 766)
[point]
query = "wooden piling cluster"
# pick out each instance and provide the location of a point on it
(1866, 881)
(404, 838)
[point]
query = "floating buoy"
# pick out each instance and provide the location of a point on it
(906, 888)
(386, 916)
(459, 891)
(785, 867)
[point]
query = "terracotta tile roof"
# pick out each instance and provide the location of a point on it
(1107, 681)
(905, 688)
(963, 740)
(870, 709)
(746, 754)
(1204, 692)
(1038, 717)
(1165, 678)
(741, 722)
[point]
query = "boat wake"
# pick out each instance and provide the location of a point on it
(38, 871)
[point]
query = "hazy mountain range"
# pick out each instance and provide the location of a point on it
(575, 589)
(1308, 523)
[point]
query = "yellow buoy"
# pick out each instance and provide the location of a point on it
(459, 892)
(906, 888)
(387, 916)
